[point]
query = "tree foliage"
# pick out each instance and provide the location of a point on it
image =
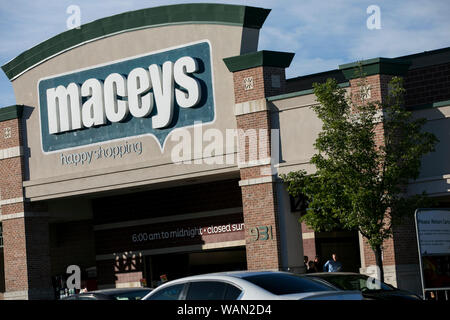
(359, 183)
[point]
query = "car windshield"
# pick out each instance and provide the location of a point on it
(282, 283)
(355, 282)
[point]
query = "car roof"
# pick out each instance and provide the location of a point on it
(239, 274)
(224, 276)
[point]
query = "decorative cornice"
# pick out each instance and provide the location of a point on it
(12, 152)
(253, 181)
(11, 201)
(250, 107)
(20, 215)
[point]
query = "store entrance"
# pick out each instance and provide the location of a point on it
(344, 243)
(177, 265)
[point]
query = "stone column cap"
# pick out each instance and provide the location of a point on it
(264, 58)
(11, 112)
(388, 66)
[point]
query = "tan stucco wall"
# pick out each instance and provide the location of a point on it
(48, 178)
(435, 170)
(299, 128)
(438, 122)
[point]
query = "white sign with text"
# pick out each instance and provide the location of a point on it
(433, 231)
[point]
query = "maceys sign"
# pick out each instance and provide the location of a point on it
(151, 94)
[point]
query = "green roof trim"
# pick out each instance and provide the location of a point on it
(432, 105)
(428, 58)
(11, 112)
(395, 67)
(192, 13)
(260, 58)
(301, 93)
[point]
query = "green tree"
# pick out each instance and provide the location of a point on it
(360, 183)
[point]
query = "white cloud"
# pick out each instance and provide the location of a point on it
(301, 66)
(397, 43)
(278, 39)
(413, 27)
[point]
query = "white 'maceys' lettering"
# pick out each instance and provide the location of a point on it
(118, 96)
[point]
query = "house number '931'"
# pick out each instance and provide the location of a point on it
(261, 233)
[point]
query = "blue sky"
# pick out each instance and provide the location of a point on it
(323, 34)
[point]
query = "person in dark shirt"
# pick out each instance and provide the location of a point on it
(311, 267)
(317, 264)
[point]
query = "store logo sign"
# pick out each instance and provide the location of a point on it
(147, 95)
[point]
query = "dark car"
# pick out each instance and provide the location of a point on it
(371, 288)
(112, 294)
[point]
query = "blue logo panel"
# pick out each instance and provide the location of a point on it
(131, 126)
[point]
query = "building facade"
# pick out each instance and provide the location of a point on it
(148, 145)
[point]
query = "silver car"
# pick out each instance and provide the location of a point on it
(112, 294)
(249, 285)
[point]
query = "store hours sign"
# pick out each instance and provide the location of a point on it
(200, 231)
(151, 94)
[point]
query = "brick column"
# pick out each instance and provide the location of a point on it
(377, 90)
(378, 73)
(256, 76)
(25, 227)
(309, 242)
